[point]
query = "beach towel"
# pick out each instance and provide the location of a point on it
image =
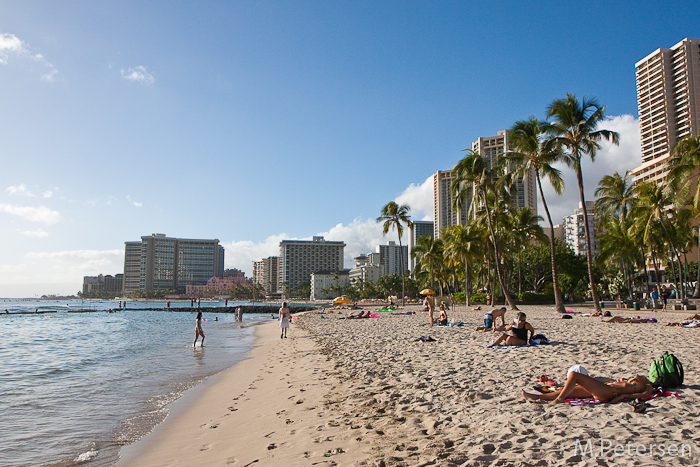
(512, 346)
(593, 401)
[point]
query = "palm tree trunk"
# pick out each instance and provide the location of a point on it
(466, 281)
(497, 260)
(696, 294)
(589, 251)
(558, 300)
(403, 275)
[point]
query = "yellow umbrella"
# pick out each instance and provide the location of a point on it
(427, 292)
(342, 299)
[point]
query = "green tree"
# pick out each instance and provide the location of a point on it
(475, 182)
(532, 153)
(575, 129)
(683, 167)
(429, 251)
(394, 217)
(464, 243)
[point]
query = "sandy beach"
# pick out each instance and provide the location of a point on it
(368, 393)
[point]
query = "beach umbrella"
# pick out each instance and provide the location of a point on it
(427, 292)
(342, 299)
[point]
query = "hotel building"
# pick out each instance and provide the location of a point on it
(416, 231)
(166, 263)
(575, 233)
(489, 148)
(266, 273)
(299, 258)
(668, 97)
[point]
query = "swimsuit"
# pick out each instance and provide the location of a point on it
(520, 333)
(488, 320)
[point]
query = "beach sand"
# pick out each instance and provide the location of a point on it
(367, 393)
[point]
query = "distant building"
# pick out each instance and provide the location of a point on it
(390, 259)
(214, 286)
(236, 275)
(668, 98)
(168, 263)
(266, 274)
(300, 258)
(489, 148)
(574, 230)
(558, 232)
(110, 284)
(323, 281)
(416, 231)
(365, 270)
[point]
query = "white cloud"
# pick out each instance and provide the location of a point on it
(47, 194)
(34, 214)
(13, 46)
(20, 190)
(138, 74)
(420, 199)
(610, 159)
(39, 233)
(135, 203)
(241, 254)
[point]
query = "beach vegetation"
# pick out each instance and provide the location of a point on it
(395, 217)
(534, 153)
(574, 129)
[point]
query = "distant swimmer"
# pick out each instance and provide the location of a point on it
(198, 329)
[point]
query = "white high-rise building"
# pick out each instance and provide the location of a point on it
(417, 230)
(489, 148)
(299, 258)
(390, 259)
(668, 97)
(575, 233)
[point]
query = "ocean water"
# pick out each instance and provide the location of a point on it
(75, 387)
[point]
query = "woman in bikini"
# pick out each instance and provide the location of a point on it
(580, 386)
(198, 329)
(520, 329)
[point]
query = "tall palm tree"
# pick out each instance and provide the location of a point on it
(476, 181)
(531, 153)
(575, 130)
(614, 196)
(394, 217)
(428, 250)
(683, 167)
(465, 243)
(523, 227)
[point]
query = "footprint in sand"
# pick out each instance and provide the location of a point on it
(206, 447)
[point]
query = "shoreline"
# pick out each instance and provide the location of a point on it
(364, 392)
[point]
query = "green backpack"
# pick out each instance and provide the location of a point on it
(666, 371)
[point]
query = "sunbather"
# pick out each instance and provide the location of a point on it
(580, 386)
(442, 319)
(620, 319)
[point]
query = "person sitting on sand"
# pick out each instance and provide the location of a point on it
(442, 319)
(519, 328)
(489, 319)
(581, 386)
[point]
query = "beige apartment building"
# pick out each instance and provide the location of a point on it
(488, 147)
(668, 97)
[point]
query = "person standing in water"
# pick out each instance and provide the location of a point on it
(284, 319)
(198, 329)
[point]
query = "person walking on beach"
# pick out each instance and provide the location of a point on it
(284, 319)
(198, 329)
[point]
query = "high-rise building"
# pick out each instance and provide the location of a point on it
(390, 258)
(417, 230)
(167, 263)
(575, 233)
(366, 271)
(110, 284)
(299, 258)
(668, 98)
(489, 148)
(266, 273)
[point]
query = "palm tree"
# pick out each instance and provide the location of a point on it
(531, 153)
(428, 250)
(394, 217)
(575, 129)
(615, 196)
(475, 180)
(523, 226)
(683, 166)
(464, 243)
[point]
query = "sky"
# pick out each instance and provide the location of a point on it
(257, 121)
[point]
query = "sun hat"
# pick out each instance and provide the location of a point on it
(577, 369)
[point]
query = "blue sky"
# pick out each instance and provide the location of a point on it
(256, 121)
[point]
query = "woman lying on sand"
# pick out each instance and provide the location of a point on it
(619, 319)
(580, 386)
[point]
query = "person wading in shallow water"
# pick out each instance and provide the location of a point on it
(198, 329)
(284, 319)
